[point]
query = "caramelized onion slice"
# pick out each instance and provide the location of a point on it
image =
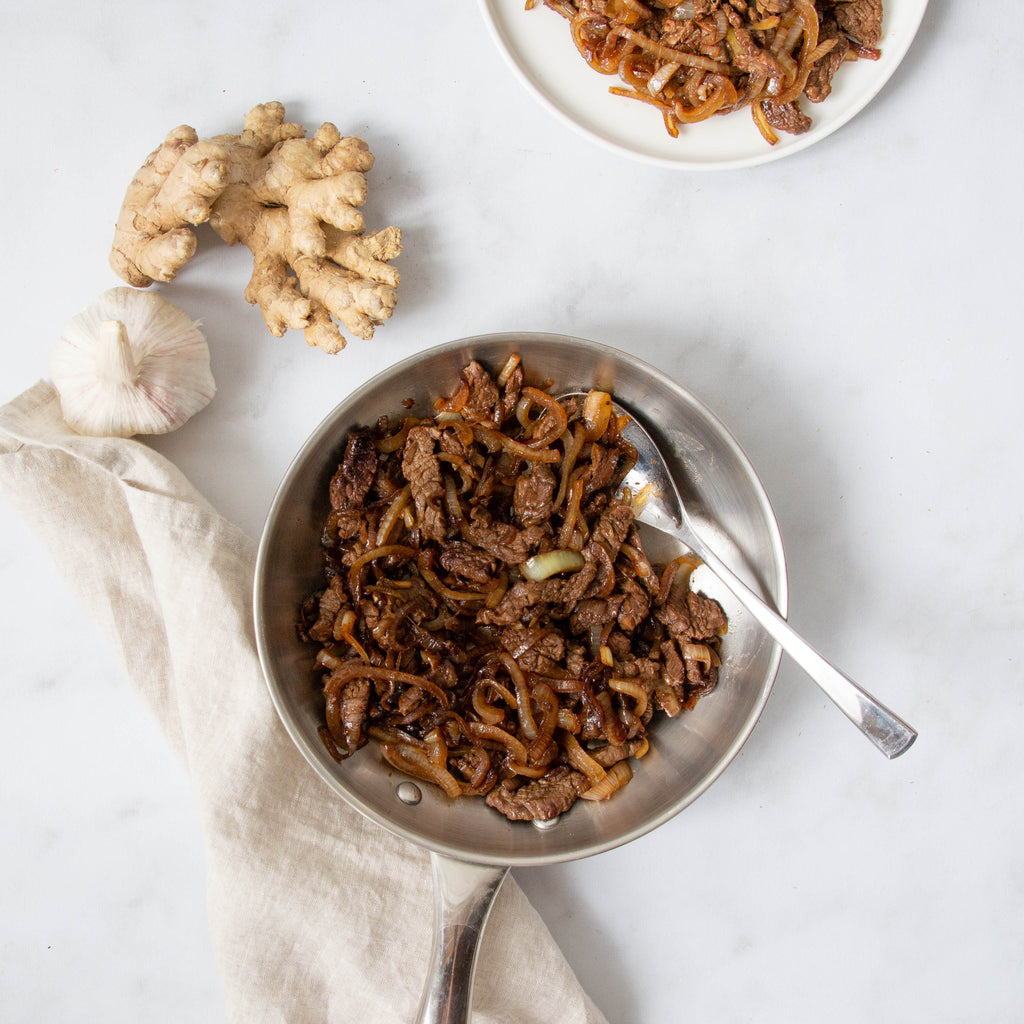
(413, 761)
(581, 760)
(597, 411)
(615, 778)
(549, 563)
(702, 653)
(479, 731)
(631, 688)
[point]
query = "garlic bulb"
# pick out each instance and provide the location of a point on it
(132, 363)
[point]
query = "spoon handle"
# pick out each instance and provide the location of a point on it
(885, 729)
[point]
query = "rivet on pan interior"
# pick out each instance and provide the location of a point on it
(408, 793)
(543, 826)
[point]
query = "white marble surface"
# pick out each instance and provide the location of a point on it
(851, 313)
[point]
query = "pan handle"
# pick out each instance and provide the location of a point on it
(463, 895)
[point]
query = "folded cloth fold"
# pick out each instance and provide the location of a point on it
(316, 913)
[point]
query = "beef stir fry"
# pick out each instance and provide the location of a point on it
(692, 59)
(490, 619)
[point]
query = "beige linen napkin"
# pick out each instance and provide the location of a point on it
(316, 913)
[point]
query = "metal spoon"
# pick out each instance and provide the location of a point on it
(663, 508)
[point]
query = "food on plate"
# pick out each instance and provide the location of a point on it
(691, 59)
(490, 618)
(292, 201)
(131, 363)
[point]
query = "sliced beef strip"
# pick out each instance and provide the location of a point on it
(752, 58)
(524, 594)
(680, 34)
(332, 600)
(594, 611)
(786, 117)
(354, 477)
(707, 620)
(513, 607)
(533, 647)
(532, 498)
(700, 678)
(353, 699)
(469, 562)
(510, 396)
(539, 799)
(615, 752)
(635, 605)
(344, 524)
(861, 20)
(819, 82)
(699, 618)
(606, 540)
(674, 670)
(452, 442)
(484, 402)
(503, 540)
(423, 471)
(612, 528)
(604, 462)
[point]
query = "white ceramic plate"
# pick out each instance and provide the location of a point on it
(539, 48)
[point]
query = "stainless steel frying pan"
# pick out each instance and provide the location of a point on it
(472, 846)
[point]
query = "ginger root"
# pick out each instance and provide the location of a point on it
(292, 201)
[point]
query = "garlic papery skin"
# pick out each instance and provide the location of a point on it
(132, 363)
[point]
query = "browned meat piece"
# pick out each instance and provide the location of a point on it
(819, 84)
(484, 402)
(469, 562)
(634, 607)
(707, 620)
(594, 611)
(423, 471)
(533, 648)
(612, 528)
(679, 34)
(606, 539)
(615, 752)
(344, 524)
(541, 799)
(524, 594)
(332, 600)
(699, 618)
(514, 606)
(513, 388)
(786, 117)
(642, 569)
(643, 670)
(452, 443)
(752, 59)
(603, 464)
(674, 667)
(700, 678)
(533, 495)
(354, 477)
(861, 20)
(352, 701)
(504, 541)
